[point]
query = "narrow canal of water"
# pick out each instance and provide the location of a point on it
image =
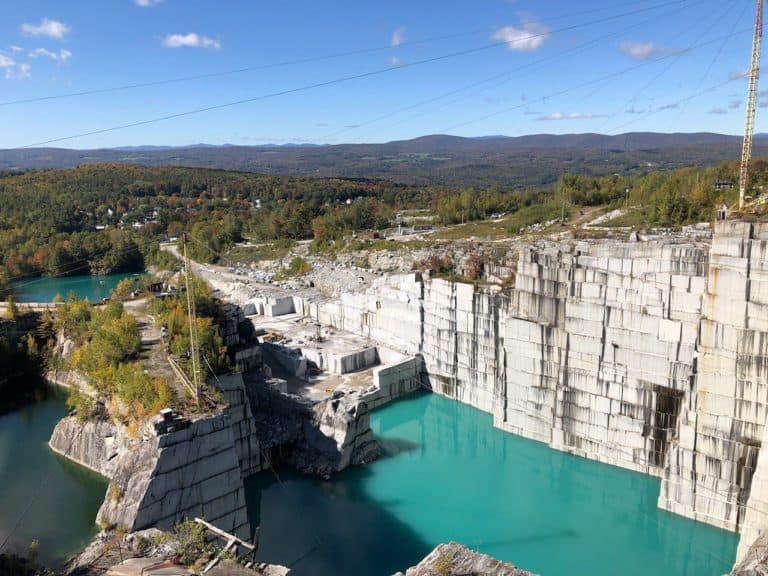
(45, 289)
(43, 496)
(451, 476)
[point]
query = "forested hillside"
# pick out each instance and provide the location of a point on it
(439, 160)
(108, 218)
(105, 218)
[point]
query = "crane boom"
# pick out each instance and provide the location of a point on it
(749, 128)
(194, 350)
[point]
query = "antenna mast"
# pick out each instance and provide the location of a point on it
(749, 128)
(194, 350)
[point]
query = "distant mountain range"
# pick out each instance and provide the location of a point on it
(521, 161)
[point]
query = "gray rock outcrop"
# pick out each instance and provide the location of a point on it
(316, 438)
(649, 355)
(755, 561)
(94, 444)
(456, 560)
(157, 480)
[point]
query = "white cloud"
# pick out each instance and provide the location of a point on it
(738, 74)
(24, 71)
(526, 38)
(640, 50)
(12, 70)
(395, 61)
(147, 3)
(60, 56)
(15, 49)
(717, 110)
(734, 104)
(398, 37)
(190, 40)
(571, 116)
(47, 28)
(634, 110)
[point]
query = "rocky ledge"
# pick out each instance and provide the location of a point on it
(456, 560)
(755, 562)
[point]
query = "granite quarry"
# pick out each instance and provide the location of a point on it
(644, 353)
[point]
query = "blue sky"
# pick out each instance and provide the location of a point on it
(502, 67)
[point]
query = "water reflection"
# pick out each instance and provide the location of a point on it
(450, 475)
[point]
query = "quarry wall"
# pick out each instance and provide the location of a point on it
(652, 356)
(197, 470)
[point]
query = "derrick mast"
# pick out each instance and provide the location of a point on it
(749, 128)
(194, 349)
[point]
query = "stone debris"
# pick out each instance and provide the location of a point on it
(147, 567)
(755, 561)
(456, 560)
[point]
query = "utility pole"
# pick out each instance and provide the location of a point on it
(194, 350)
(749, 127)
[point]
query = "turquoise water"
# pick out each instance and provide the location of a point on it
(451, 476)
(58, 499)
(45, 289)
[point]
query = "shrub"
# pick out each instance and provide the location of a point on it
(443, 566)
(81, 403)
(11, 310)
(298, 267)
(190, 537)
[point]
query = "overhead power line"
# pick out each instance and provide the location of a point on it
(717, 21)
(295, 62)
(504, 77)
(589, 82)
(348, 78)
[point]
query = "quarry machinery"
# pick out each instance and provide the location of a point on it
(749, 127)
(194, 348)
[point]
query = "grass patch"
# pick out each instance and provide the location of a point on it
(506, 227)
(534, 214)
(371, 246)
(478, 229)
(297, 268)
(267, 251)
(634, 218)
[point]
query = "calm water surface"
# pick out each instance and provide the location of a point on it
(45, 289)
(60, 498)
(451, 476)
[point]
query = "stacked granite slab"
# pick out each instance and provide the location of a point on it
(711, 465)
(462, 341)
(480, 316)
(600, 347)
(244, 432)
(631, 321)
(190, 473)
(535, 343)
(389, 313)
(439, 346)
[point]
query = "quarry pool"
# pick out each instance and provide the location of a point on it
(45, 289)
(449, 475)
(43, 496)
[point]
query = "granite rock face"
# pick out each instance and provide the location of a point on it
(456, 560)
(650, 355)
(755, 559)
(316, 438)
(194, 472)
(94, 444)
(198, 471)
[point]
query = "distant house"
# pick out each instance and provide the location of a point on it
(721, 185)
